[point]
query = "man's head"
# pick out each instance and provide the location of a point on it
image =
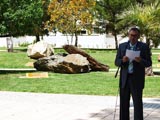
(133, 34)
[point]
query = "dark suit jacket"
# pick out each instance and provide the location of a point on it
(138, 68)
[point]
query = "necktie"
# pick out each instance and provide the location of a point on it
(130, 67)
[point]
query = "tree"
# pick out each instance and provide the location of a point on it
(147, 18)
(21, 17)
(70, 16)
(109, 10)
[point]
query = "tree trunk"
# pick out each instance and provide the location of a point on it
(9, 44)
(76, 39)
(115, 37)
(116, 41)
(147, 41)
(95, 65)
(37, 38)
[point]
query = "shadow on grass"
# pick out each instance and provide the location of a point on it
(15, 71)
(20, 50)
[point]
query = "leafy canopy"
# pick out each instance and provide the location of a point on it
(146, 17)
(69, 16)
(20, 17)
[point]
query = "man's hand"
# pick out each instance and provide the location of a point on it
(125, 59)
(137, 59)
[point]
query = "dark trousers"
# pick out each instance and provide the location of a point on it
(125, 93)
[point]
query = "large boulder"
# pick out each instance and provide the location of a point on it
(39, 50)
(72, 63)
(149, 71)
(94, 64)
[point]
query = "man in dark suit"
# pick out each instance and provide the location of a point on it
(132, 74)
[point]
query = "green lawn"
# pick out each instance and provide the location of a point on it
(19, 58)
(93, 83)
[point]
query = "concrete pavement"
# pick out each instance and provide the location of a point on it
(41, 106)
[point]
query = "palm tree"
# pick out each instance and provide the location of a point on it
(109, 11)
(146, 17)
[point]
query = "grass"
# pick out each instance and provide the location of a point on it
(14, 60)
(152, 88)
(19, 58)
(155, 61)
(93, 83)
(105, 56)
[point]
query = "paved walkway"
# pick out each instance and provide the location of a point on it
(41, 106)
